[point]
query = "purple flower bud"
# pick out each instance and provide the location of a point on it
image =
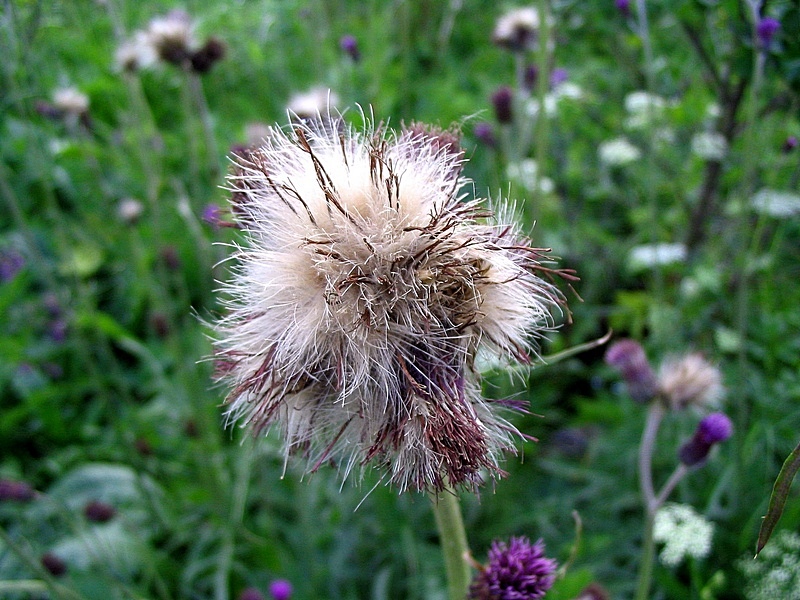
(11, 262)
(502, 100)
(624, 7)
(251, 593)
(628, 357)
(485, 133)
(280, 589)
(349, 46)
(53, 564)
(714, 428)
(516, 571)
(210, 53)
(99, 512)
(790, 144)
(530, 77)
(18, 491)
(558, 76)
(212, 214)
(766, 29)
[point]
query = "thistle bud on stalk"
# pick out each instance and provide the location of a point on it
(365, 283)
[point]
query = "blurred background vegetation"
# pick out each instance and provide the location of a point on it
(684, 231)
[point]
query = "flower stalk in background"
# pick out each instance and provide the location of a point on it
(682, 382)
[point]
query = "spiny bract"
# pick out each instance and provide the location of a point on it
(364, 286)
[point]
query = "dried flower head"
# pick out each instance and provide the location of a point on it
(518, 570)
(71, 102)
(365, 284)
(172, 37)
(99, 512)
(689, 380)
(136, 53)
(518, 29)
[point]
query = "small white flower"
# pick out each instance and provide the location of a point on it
(313, 103)
(643, 102)
(618, 152)
(713, 111)
(684, 533)
(776, 572)
(709, 145)
(526, 172)
(645, 256)
(71, 101)
(129, 210)
(776, 203)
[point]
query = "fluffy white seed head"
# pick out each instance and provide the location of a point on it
(365, 284)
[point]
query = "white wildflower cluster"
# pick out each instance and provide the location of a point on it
(776, 203)
(526, 173)
(563, 91)
(775, 573)
(646, 256)
(364, 286)
(618, 152)
(313, 103)
(709, 145)
(684, 533)
(643, 109)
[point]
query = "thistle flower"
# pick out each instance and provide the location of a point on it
(349, 46)
(172, 37)
(365, 285)
(516, 571)
(280, 589)
(714, 428)
(689, 380)
(502, 100)
(518, 29)
(628, 357)
(18, 491)
(136, 53)
(53, 564)
(766, 29)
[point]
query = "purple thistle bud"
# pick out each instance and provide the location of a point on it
(18, 491)
(485, 133)
(766, 29)
(53, 564)
(530, 76)
(209, 54)
(714, 428)
(11, 262)
(558, 76)
(251, 593)
(212, 214)
(628, 357)
(280, 589)
(594, 591)
(502, 100)
(624, 7)
(99, 512)
(517, 571)
(790, 144)
(349, 46)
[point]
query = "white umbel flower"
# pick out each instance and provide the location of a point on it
(365, 284)
(618, 152)
(710, 145)
(776, 203)
(684, 533)
(646, 256)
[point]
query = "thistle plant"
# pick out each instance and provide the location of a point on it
(367, 280)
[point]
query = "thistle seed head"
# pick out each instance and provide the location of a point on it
(365, 284)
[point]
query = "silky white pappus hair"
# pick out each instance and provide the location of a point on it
(365, 282)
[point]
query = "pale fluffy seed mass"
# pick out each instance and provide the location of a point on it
(364, 285)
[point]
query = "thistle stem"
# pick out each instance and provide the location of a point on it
(453, 540)
(647, 558)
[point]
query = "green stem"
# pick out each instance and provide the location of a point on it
(647, 559)
(453, 540)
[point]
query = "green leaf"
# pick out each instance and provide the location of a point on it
(780, 492)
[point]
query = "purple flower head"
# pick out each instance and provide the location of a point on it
(212, 214)
(530, 77)
(502, 100)
(251, 593)
(53, 564)
(628, 357)
(280, 589)
(624, 7)
(790, 144)
(485, 133)
(99, 512)
(714, 428)
(766, 29)
(11, 262)
(349, 46)
(209, 54)
(558, 76)
(518, 570)
(18, 491)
